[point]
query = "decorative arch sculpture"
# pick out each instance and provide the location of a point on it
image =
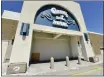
(56, 16)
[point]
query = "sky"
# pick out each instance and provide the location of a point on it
(92, 12)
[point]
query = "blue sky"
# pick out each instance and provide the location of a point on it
(92, 12)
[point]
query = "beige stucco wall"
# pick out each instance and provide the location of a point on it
(22, 48)
(9, 28)
(28, 15)
(48, 29)
(74, 46)
(97, 42)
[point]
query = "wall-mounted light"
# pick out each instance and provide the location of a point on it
(25, 29)
(86, 37)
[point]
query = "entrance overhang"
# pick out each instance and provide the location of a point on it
(56, 36)
(54, 30)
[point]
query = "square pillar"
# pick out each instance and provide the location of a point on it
(22, 47)
(87, 49)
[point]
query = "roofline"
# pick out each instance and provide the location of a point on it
(75, 1)
(95, 33)
(7, 14)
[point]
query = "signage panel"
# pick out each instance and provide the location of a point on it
(52, 15)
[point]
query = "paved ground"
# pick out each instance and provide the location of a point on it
(86, 68)
(89, 70)
(94, 70)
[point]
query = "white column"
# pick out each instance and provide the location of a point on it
(4, 49)
(22, 48)
(87, 50)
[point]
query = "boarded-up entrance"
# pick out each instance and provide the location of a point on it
(44, 47)
(35, 57)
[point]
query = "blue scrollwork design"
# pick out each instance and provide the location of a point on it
(69, 22)
(47, 15)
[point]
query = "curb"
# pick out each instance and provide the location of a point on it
(92, 64)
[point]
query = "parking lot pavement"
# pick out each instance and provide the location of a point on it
(88, 70)
(59, 68)
(93, 70)
(44, 68)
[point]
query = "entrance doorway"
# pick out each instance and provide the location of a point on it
(44, 46)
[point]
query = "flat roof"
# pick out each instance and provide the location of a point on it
(95, 33)
(11, 15)
(16, 16)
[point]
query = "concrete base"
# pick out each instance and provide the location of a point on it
(16, 68)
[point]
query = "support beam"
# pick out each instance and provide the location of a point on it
(58, 35)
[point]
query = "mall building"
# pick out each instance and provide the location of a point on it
(46, 29)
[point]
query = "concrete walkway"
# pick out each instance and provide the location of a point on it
(43, 68)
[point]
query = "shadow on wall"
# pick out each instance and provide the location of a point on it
(23, 37)
(56, 60)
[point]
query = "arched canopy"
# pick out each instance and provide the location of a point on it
(56, 16)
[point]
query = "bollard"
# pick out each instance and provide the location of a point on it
(52, 63)
(67, 61)
(79, 60)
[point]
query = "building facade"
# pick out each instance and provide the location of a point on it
(46, 29)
